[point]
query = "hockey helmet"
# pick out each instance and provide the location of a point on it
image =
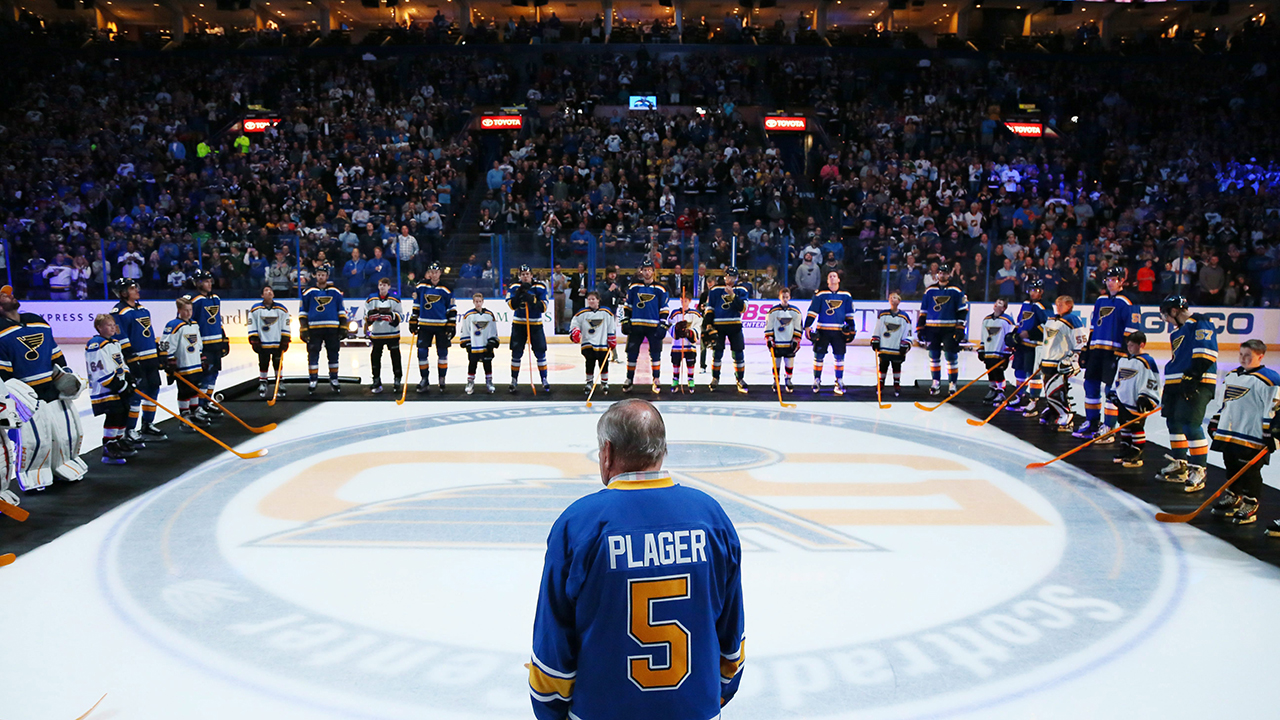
(944, 269)
(121, 285)
(525, 269)
(434, 266)
(1173, 302)
(1115, 272)
(646, 264)
(731, 271)
(1035, 284)
(201, 275)
(327, 269)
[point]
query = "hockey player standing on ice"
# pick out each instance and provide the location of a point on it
(382, 318)
(182, 353)
(1136, 391)
(28, 351)
(639, 613)
(1031, 319)
(433, 319)
(110, 389)
(138, 341)
(1246, 423)
(644, 319)
(831, 314)
(891, 341)
(268, 327)
(322, 321)
(206, 311)
(782, 330)
(594, 328)
(479, 338)
(1114, 316)
(997, 331)
(722, 318)
(1059, 360)
(941, 327)
(528, 301)
(686, 329)
(1189, 380)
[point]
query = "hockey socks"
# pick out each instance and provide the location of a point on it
(839, 369)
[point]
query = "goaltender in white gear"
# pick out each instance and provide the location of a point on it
(9, 465)
(50, 434)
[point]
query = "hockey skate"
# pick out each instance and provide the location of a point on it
(934, 389)
(281, 393)
(1175, 472)
(376, 389)
(441, 387)
(512, 388)
(213, 411)
(490, 388)
(1195, 478)
(626, 385)
(1066, 425)
(1029, 410)
(262, 391)
(839, 387)
(311, 389)
(817, 387)
(1085, 430)
(1247, 513)
(194, 419)
(1102, 437)
(470, 388)
(990, 397)
(1273, 530)
(395, 388)
(424, 387)
(120, 448)
(657, 389)
(1129, 456)
(134, 438)
(604, 388)
(111, 454)
(586, 390)
(150, 432)
(690, 387)
(546, 388)
(334, 388)
(205, 418)
(897, 390)
(787, 387)
(742, 386)
(1226, 506)
(715, 383)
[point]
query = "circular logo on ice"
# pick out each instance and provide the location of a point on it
(390, 569)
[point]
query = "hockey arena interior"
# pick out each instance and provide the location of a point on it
(485, 359)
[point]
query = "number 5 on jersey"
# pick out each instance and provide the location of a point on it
(645, 672)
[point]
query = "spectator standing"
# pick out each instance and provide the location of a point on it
(353, 273)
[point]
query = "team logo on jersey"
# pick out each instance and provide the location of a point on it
(593, 323)
(480, 324)
(209, 581)
(430, 300)
(1234, 392)
(1177, 342)
(940, 302)
(992, 332)
(145, 322)
(322, 302)
(833, 306)
(784, 321)
(1026, 315)
(1126, 373)
(1105, 312)
(269, 320)
(644, 299)
(212, 312)
(33, 343)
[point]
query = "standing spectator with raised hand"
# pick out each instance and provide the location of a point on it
(377, 267)
(131, 262)
(280, 275)
(60, 277)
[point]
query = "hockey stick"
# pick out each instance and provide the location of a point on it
(404, 389)
(528, 335)
(247, 426)
(279, 373)
(966, 387)
(14, 511)
(95, 707)
(1007, 398)
(1169, 518)
(1073, 451)
(777, 379)
(197, 428)
(594, 385)
(879, 400)
(7, 559)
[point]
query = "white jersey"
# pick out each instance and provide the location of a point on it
(269, 324)
(1136, 377)
(1249, 402)
(994, 329)
(477, 328)
(1059, 341)
(107, 371)
(693, 322)
(181, 346)
(382, 316)
(595, 327)
(60, 277)
(785, 323)
(892, 331)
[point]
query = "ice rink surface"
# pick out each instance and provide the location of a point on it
(383, 562)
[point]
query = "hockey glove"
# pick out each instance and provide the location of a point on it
(575, 335)
(492, 344)
(875, 344)
(284, 345)
(226, 345)
(625, 326)
(169, 373)
(906, 345)
(1145, 404)
(413, 325)
(812, 335)
(738, 305)
(1213, 425)
(768, 340)
(465, 343)
(204, 362)
(1188, 388)
(450, 333)
(256, 344)
(305, 333)
(613, 342)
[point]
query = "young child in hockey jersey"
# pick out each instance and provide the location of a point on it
(181, 353)
(268, 327)
(479, 337)
(382, 317)
(1059, 360)
(594, 328)
(994, 349)
(1136, 391)
(782, 331)
(111, 389)
(1246, 424)
(891, 341)
(686, 329)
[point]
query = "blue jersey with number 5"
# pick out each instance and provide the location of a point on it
(640, 611)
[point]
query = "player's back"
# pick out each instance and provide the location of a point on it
(648, 572)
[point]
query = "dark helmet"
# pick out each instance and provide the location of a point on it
(944, 269)
(1173, 302)
(1115, 272)
(201, 275)
(731, 271)
(1035, 284)
(326, 269)
(525, 269)
(435, 266)
(120, 286)
(646, 264)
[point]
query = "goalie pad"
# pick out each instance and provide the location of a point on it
(34, 439)
(68, 435)
(9, 421)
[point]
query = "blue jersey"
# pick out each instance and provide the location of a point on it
(28, 351)
(1031, 319)
(944, 307)
(727, 304)
(206, 312)
(137, 337)
(640, 610)
(1114, 317)
(322, 308)
(1195, 353)
(832, 310)
(534, 303)
(433, 306)
(646, 305)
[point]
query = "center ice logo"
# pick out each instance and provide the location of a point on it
(878, 596)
